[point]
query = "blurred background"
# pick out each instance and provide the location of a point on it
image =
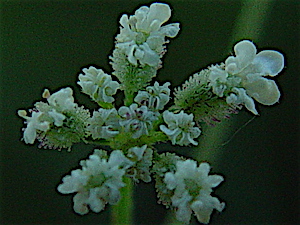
(45, 44)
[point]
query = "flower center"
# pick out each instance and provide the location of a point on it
(192, 187)
(96, 181)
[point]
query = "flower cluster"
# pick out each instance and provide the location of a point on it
(140, 45)
(148, 116)
(97, 183)
(181, 128)
(226, 87)
(250, 68)
(155, 97)
(103, 124)
(142, 161)
(98, 85)
(100, 178)
(59, 123)
(34, 124)
(142, 35)
(137, 119)
(192, 187)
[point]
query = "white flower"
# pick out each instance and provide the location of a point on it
(142, 35)
(141, 53)
(34, 123)
(217, 80)
(192, 188)
(241, 97)
(155, 97)
(181, 128)
(62, 100)
(147, 20)
(58, 117)
(142, 159)
(104, 123)
(97, 183)
(98, 85)
(136, 120)
(252, 68)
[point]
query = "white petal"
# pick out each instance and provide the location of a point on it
(80, 205)
(231, 65)
(231, 99)
(160, 12)
(58, 117)
(95, 203)
(117, 158)
(201, 211)
(245, 52)
(170, 30)
(170, 180)
(124, 21)
(131, 57)
(114, 195)
(29, 134)
(215, 180)
(138, 151)
(246, 100)
(271, 62)
(155, 42)
(263, 90)
(204, 168)
(150, 57)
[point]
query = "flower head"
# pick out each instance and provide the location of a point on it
(34, 124)
(142, 159)
(104, 123)
(252, 68)
(62, 100)
(142, 35)
(97, 183)
(98, 85)
(180, 128)
(192, 188)
(57, 124)
(137, 120)
(155, 97)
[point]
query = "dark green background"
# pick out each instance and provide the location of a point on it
(46, 43)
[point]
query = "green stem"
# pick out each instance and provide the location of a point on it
(128, 98)
(96, 142)
(122, 213)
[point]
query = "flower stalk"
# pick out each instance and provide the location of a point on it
(123, 212)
